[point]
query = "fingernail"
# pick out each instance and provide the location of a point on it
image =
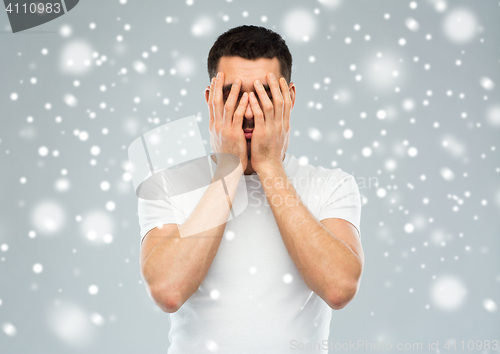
(218, 75)
(258, 82)
(271, 75)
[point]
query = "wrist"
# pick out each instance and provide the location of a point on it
(269, 168)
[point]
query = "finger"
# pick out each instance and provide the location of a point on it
(218, 105)
(240, 111)
(267, 105)
(257, 112)
(287, 103)
(231, 103)
(278, 101)
(210, 103)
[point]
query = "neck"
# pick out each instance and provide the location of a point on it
(249, 170)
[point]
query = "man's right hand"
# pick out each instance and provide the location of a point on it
(226, 124)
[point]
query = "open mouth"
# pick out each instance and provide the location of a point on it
(248, 133)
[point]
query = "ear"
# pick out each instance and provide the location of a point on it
(291, 88)
(207, 93)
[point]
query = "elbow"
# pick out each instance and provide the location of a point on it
(340, 298)
(161, 294)
(165, 300)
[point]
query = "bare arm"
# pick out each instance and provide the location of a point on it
(327, 254)
(172, 266)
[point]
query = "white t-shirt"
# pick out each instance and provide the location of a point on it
(253, 299)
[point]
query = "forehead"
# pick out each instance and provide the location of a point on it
(248, 70)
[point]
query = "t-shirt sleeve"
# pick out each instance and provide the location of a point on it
(341, 199)
(153, 213)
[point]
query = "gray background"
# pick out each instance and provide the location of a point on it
(432, 265)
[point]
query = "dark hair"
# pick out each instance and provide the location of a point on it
(250, 42)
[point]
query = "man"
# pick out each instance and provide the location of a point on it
(266, 280)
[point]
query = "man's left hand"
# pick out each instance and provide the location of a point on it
(272, 127)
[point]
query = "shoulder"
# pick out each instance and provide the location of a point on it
(301, 169)
(175, 180)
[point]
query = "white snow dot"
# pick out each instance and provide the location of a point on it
(9, 329)
(460, 25)
(93, 289)
(37, 268)
(107, 238)
(381, 114)
(95, 150)
(70, 100)
(62, 185)
(307, 28)
(65, 31)
(381, 192)
(83, 136)
(287, 278)
(140, 67)
(487, 83)
(215, 294)
(348, 133)
(391, 164)
(448, 293)
(409, 228)
(229, 235)
(212, 346)
(412, 152)
(43, 151)
(97, 319)
(303, 160)
(408, 104)
(447, 174)
(203, 26)
(314, 134)
(412, 24)
(105, 185)
(490, 305)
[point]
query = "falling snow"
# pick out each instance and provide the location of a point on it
(405, 100)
